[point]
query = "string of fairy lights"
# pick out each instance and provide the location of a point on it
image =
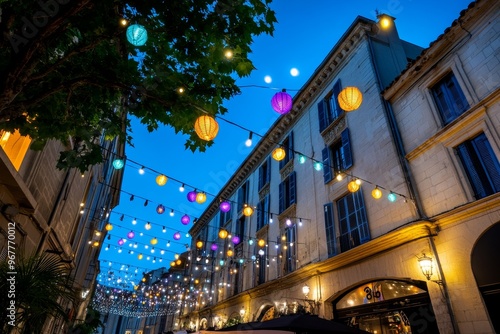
(157, 298)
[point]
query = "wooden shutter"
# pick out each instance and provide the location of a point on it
(346, 147)
(327, 169)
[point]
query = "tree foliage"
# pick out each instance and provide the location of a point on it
(32, 289)
(68, 71)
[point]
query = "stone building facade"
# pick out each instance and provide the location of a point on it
(426, 136)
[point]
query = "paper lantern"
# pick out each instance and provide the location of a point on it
(282, 102)
(223, 234)
(118, 163)
(131, 235)
(191, 196)
(214, 247)
(201, 198)
(206, 127)
(350, 98)
(230, 252)
(199, 244)
(353, 186)
(120, 242)
(140, 256)
(160, 209)
(261, 243)
(247, 211)
(279, 154)
(137, 35)
(236, 240)
(225, 206)
(177, 236)
(391, 197)
(376, 193)
(161, 180)
(154, 241)
(178, 262)
(185, 219)
(172, 264)
(109, 227)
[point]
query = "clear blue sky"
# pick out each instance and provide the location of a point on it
(306, 31)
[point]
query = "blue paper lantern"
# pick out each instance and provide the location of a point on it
(118, 163)
(137, 35)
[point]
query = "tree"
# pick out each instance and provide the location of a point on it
(68, 71)
(33, 288)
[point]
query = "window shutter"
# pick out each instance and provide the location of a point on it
(292, 189)
(489, 160)
(261, 177)
(327, 169)
(346, 148)
(240, 198)
(337, 88)
(268, 170)
(260, 215)
(266, 209)
(281, 197)
(475, 180)
(330, 229)
(322, 114)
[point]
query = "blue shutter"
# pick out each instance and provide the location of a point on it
(330, 229)
(268, 170)
(327, 169)
(322, 113)
(346, 148)
(489, 161)
(337, 88)
(292, 189)
(241, 199)
(261, 177)
(260, 215)
(281, 197)
(266, 209)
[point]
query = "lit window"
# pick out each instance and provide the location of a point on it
(15, 146)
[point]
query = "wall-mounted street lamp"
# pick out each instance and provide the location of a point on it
(305, 290)
(425, 263)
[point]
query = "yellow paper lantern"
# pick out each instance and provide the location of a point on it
(178, 262)
(161, 180)
(109, 227)
(206, 127)
(261, 243)
(353, 186)
(154, 241)
(350, 98)
(140, 256)
(230, 252)
(279, 154)
(223, 234)
(247, 211)
(172, 264)
(199, 244)
(201, 198)
(376, 193)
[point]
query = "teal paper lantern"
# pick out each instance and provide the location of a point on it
(137, 35)
(118, 163)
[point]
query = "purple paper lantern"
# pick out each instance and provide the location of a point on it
(130, 234)
(160, 209)
(282, 102)
(236, 240)
(185, 219)
(214, 247)
(191, 196)
(177, 235)
(120, 242)
(225, 206)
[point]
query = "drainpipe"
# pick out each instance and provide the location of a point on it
(443, 284)
(396, 136)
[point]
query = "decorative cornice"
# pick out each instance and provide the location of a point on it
(333, 131)
(286, 170)
(264, 191)
(289, 212)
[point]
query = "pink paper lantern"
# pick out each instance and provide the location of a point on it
(282, 102)
(185, 219)
(236, 240)
(120, 242)
(191, 196)
(177, 235)
(214, 247)
(225, 206)
(130, 234)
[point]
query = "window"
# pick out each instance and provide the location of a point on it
(337, 157)
(328, 108)
(261, 278)
(481, 165)
(449, 98)
(353, 224)
(15, 146)
(240, 227)
(287, 145)
(224, 217)
(287, 192)
(290, 248)
(243, 195)
(265, 173)
(330, 229)
(263, 208)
